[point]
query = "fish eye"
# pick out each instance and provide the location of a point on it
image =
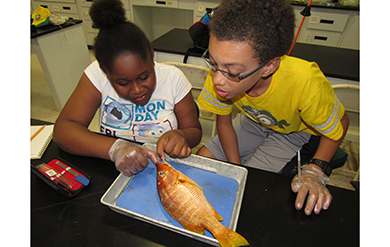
(161, 174)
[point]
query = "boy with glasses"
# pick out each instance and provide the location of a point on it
(285, 102)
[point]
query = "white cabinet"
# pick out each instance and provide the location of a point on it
(350, 38)
(63, 56)
(156, 18)
(329, 27)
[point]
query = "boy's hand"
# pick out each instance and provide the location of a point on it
(174, 144)
(130, 158)
(313, 182)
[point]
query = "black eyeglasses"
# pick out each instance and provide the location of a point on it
(226, 74)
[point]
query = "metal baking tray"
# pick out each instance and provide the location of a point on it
(223, 185)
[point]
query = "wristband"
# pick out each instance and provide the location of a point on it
(325, 166)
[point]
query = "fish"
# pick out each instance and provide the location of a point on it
(184, 200)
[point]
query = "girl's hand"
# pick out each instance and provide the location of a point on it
(174, 144)
(130, 158)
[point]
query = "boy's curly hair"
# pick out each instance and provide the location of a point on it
(267, 25)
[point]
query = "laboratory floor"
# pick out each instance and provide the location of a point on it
(43, 108)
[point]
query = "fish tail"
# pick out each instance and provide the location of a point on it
(229, 238)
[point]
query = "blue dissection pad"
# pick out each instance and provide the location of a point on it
(141, 196)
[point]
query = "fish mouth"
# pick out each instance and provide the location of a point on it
(163, 164)
(166, 163)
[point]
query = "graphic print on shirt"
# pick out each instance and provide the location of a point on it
(135, 122)
(148, 131)
(116, 115)
(264, 117)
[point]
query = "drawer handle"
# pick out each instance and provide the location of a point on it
(161, 2)
(326, 21)
(66, 8)
(321, 38)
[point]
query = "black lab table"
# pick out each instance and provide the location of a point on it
(267, 217)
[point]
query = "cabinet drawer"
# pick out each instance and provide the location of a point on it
(319, 37)
(61, 8)
(57, 1)
(88, 3)
(162, 3)
(157, 3)
(327, 21)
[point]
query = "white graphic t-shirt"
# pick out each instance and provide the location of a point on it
(119, 117)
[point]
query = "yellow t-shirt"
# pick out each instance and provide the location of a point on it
(299, 98)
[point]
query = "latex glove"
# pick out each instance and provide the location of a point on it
(174, 144)
(313, 181)
(130, 158)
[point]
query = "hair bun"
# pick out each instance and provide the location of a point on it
(107, 13)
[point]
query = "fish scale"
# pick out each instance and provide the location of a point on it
(189, 203)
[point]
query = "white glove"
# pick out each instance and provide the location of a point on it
(313, 181)
(130, 158)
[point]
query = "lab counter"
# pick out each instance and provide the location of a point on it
(63, 54)
(46, 29)
(334, 62)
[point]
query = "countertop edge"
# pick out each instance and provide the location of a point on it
(40, 31)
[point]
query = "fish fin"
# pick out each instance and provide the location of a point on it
(194, 228)
(229, 238)
(216, 215)
(184, 179)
